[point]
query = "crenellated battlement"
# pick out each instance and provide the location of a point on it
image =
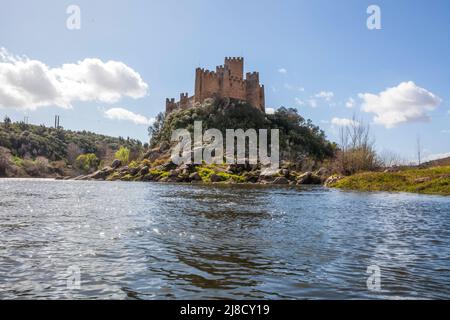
(234, 59)
(226, 81)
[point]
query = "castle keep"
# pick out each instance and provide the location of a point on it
(226, 82)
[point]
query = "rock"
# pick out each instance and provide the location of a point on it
(195, 177)
(173, 173)
(281, 180)
(215, 178)
(322, 172)
(309, 178)
(422, 180)
(285, 173)
(98, 175)
(186, 168)
(152, 154)
(251, 177)
(332, 180)
(144, 170)
(116, 163)
(304, 178)
(133, 171)
(164, 146)
(166, 166)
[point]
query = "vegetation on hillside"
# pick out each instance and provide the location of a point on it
(300, 140)
(39, 151)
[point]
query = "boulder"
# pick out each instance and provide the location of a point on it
(332, 180)
(285, 173)
(251, 177)
(133, 171)
(280, 180)
(152, 154)
(195, 177)
(173, 173)
(215, 178)
(309, 178)
(100, 174)
(166, 166)
(322, 172)
(144, 170)
(116, 163)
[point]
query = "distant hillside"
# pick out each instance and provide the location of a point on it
(31, 150)
(437, 163)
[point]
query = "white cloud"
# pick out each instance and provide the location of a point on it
(445, 131)
(127, 115)
(350, 103)
(312, 103)
(29, 84)
(270, 110)
(291, 87)
(402, 104)
(343, 122)
(282, 70)
(299, 102)
(326, 95)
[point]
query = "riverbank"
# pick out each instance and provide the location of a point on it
(434, 180)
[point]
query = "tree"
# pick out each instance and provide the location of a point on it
(87, 162)
(4, 161)
(73, 151)
(356, 150)
(123, 154)
(7, 121)
(419, 150)
(155, 129)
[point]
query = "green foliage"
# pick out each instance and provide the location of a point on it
(7, 122)
(299, 138)
(434, 180)
(123, 154)
(87, 162)
(231, 177)
(31, 141)
(205, 172)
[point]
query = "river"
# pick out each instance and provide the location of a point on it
(126, 240)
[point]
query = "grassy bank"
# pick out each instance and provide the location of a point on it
(435, 180)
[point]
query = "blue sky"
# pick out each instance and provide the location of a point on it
(312, 55)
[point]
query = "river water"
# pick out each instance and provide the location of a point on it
(125, 240)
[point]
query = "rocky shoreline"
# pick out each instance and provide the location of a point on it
(189, 173)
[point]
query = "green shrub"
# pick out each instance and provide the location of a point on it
(87, 162)
(123, 154)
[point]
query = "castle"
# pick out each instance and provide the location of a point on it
(226, 82)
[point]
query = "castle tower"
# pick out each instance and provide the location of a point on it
(226, 82)
(236, 66)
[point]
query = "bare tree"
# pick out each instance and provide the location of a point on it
(389, 158)
(357, 152)
(419, 150)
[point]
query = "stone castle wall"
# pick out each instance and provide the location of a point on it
(226, 82)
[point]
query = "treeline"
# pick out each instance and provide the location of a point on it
(37, 150)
